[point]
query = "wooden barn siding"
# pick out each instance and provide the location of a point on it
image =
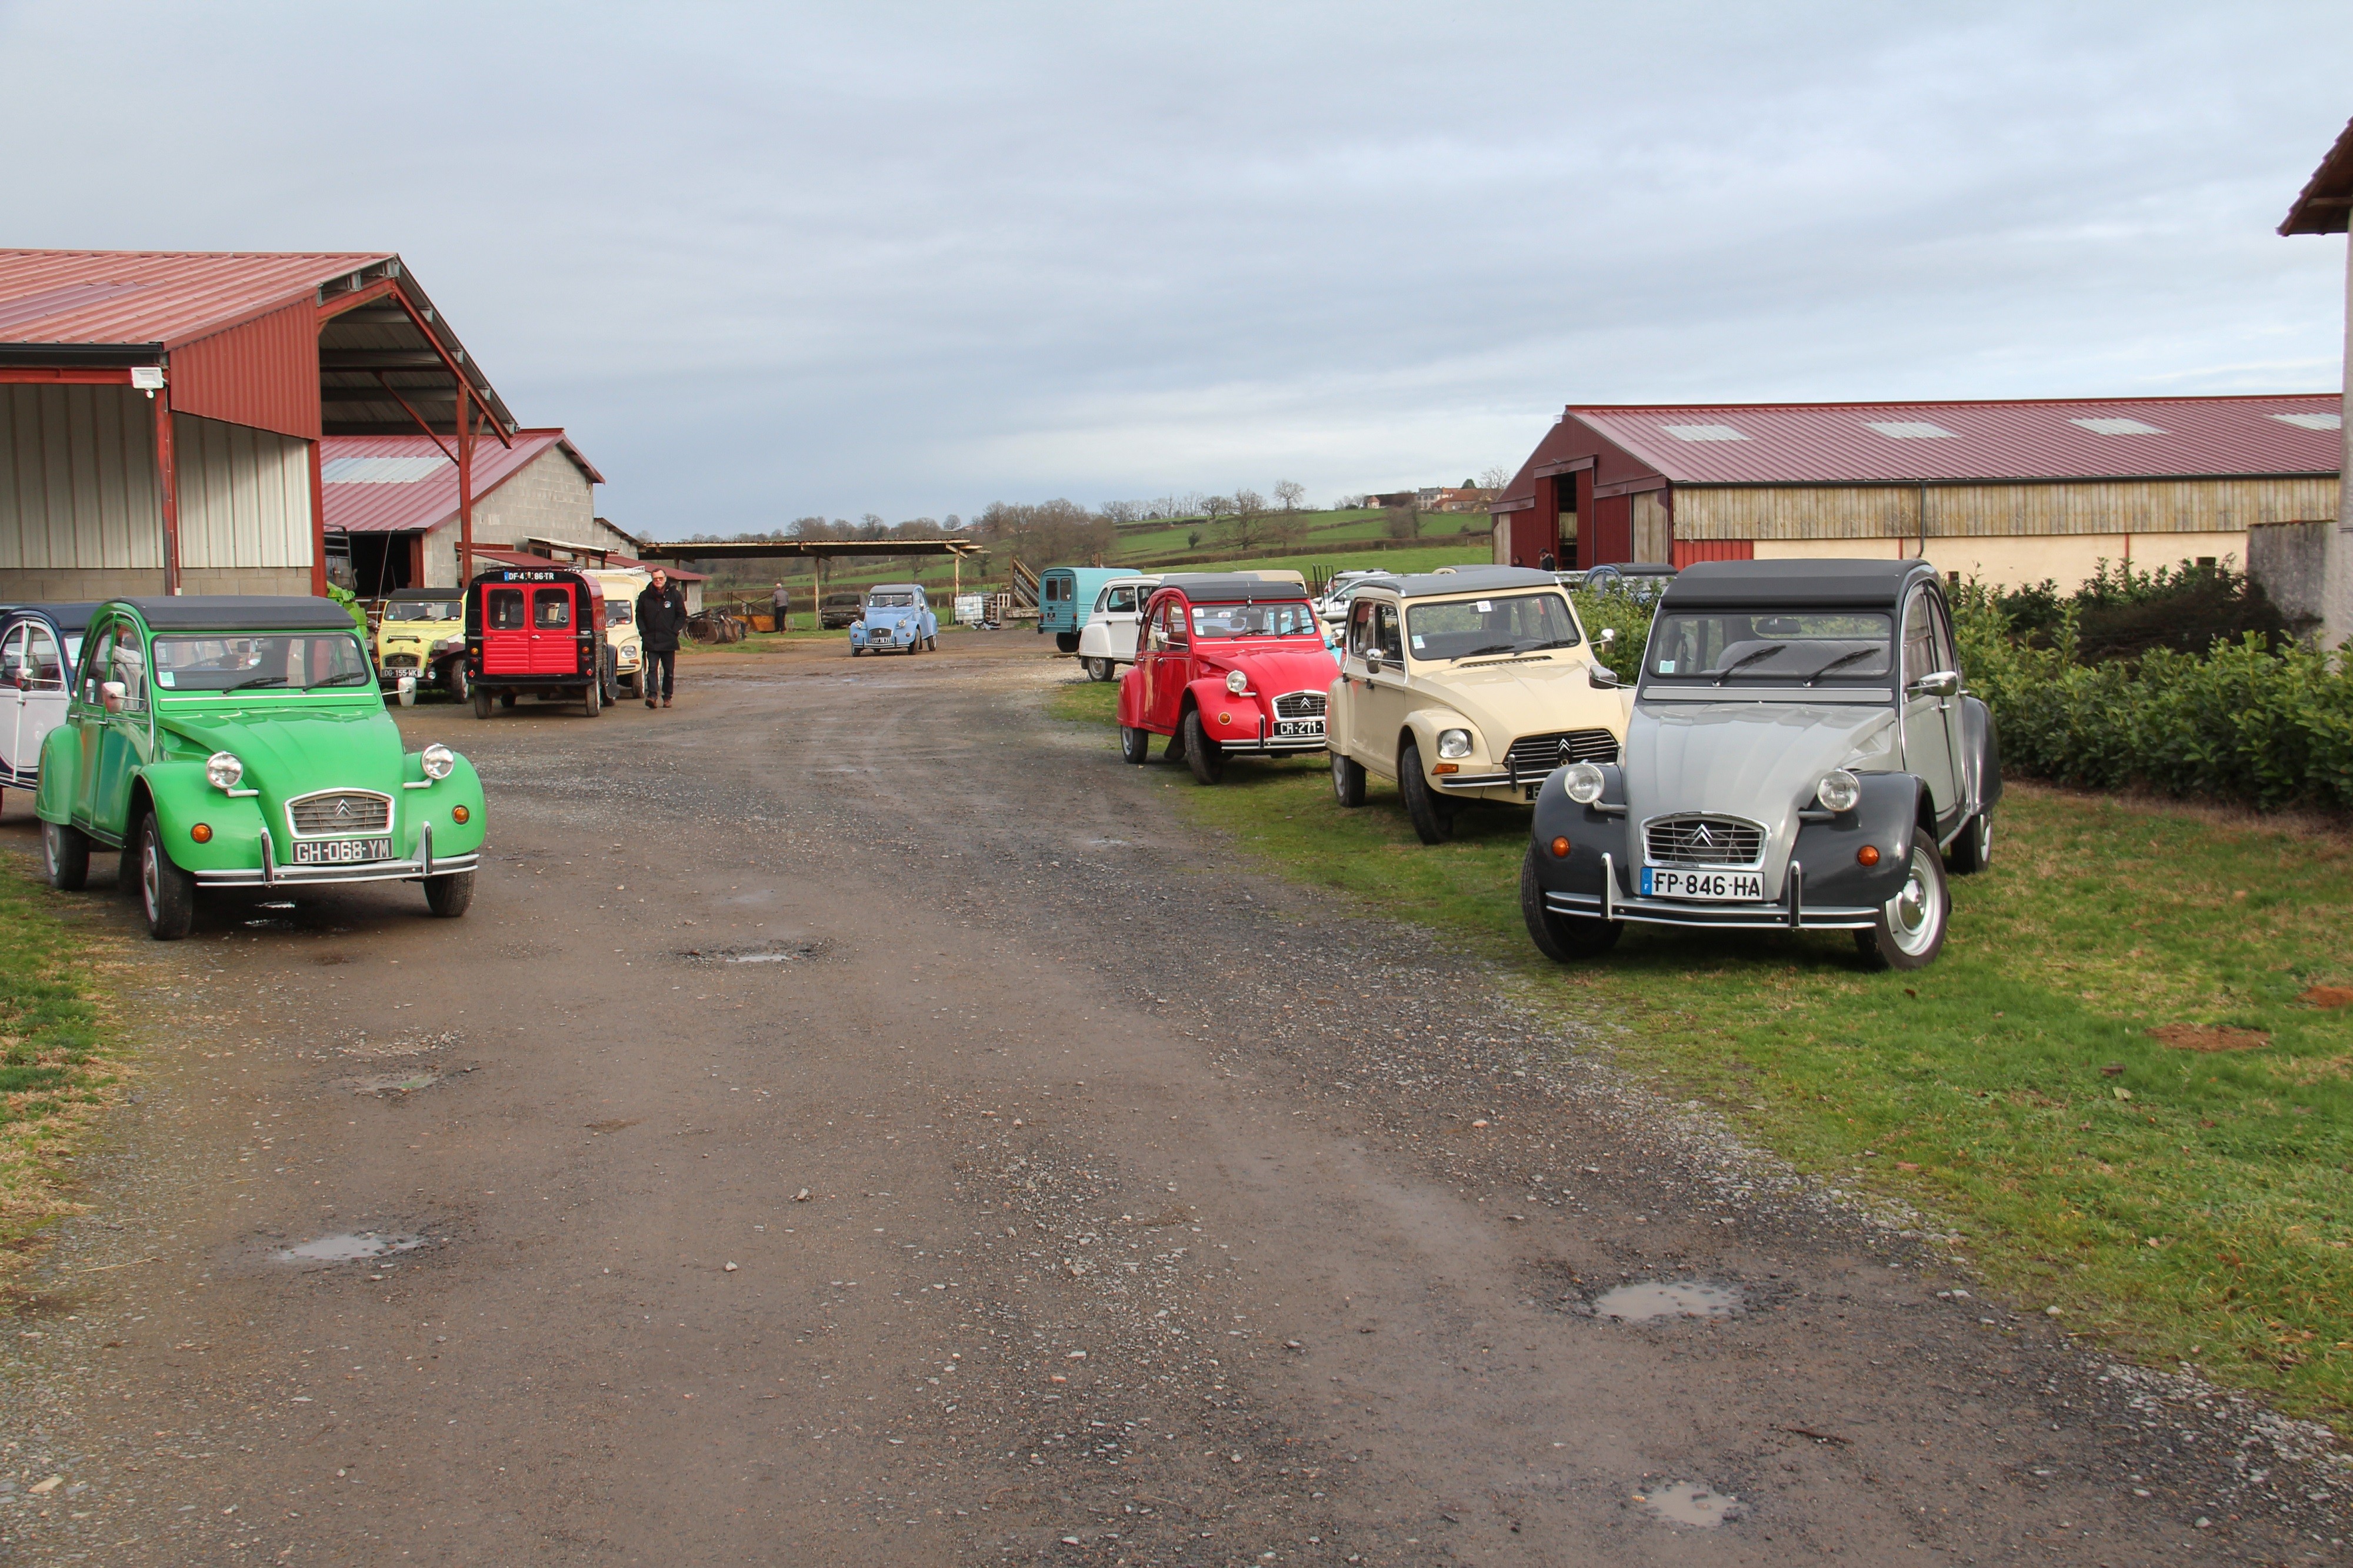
(1654, 531)
(1995, 512)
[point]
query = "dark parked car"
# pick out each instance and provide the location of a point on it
(1802, 756)
(839, 610)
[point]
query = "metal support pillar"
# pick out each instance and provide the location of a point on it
(167, 486)
(465, 487)
(319, 522)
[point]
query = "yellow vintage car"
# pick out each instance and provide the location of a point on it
(1466, 684)
(621, 634)
(423, 634)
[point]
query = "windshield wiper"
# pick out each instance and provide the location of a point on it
(1746, 660)
(1492, 648)
(1816, 678)
(349, 678)
(256, 681)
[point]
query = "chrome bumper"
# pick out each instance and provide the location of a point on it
(312, 876)
(1792, 913)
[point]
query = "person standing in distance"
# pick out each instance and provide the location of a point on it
(662, 616)
(782, 604)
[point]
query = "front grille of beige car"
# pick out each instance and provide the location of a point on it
(339, 811)
(1704, 841)
(1542, 754)
(1299, 705)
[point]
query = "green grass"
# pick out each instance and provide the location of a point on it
(52, 1073)
(2194, 1205)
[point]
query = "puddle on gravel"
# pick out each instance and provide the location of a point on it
(774, 953)
(1688, 1503)
(351, 1246)
(1648, 1300)
(405, 1082)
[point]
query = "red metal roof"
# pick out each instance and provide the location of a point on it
(2077, 438)
(155, 296)
(385, 484)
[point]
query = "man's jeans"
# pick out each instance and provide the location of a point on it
(664, 663)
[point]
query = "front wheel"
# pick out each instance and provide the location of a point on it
(1203, 755)
(1564, 939)
(1973, 850)
(455, 679)
(448, 896)
(592, 701)
(65, 856)
(166, 894)
(1433, 819)
(1135, 745)
(1909, 931)
(1067, 641)
(1348, 781)
(482, 703)
(1097, 669)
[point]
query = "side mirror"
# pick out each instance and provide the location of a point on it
(408, 691)
(111, 693)
(1602, 676)
(1943, 683)
(1372, 661)
(1608, 636)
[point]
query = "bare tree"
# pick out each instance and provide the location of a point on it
(1289, 493)
(1248, 501)
(1212, 508)
(1495, 477)
(1289, 525)
(1118, 512)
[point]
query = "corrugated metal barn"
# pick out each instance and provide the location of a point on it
(2010, 492)
(161, 413)
(391, 505)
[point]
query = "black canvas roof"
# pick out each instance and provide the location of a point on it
(242, 612)
(1791, 583)
(1470, 580)
(68, 617)
(1232, 587)
(429, 593)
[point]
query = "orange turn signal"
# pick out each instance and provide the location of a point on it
(202, 833)
(1446, 768)
(1560, 848)
(459, 813)
(1867, 855)
(1225, 718)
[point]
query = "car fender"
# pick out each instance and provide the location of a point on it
(1981, 752)
(1891, 808)
(1424, 723)
(1131, 698)
(182, 798)
(1592, 834)
(60, 774)
(1225, 715)
(434, 804)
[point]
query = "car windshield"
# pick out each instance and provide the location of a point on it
(619, 613)
(890, 602)
(421, 610)
(1289, 618)
(1783, 646)
(1517, 623)
(260, 661)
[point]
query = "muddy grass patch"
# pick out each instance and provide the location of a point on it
(57, 1065)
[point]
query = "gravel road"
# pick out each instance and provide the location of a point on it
(860, 1123)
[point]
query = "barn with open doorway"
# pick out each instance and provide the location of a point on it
(2009, 492)
(162, 412)
(392, 505)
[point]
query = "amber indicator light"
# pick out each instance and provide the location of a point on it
(459, 813)
(1560, 848)
(202, 833)
(1446, 768)
(1867, 855)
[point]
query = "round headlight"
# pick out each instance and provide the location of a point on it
(1236, 682)
(224, 770)
(1455, 743)
(1838, 791)
(1583, 782)
(439, 761)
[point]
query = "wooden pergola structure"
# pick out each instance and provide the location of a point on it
(822, 550)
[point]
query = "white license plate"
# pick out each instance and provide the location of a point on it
(342, 851)
(1675, 882)
(1285, 728)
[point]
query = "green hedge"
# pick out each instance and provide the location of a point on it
(2239, 722)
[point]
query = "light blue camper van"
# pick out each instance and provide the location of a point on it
(1066, 599)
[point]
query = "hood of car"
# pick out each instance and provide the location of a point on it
(890, 614)
(1275, 670)
(1754, 760)
(291, 751)
(1531, 697)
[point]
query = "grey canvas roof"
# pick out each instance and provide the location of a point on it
(1232, 587)
(1469, 580)
(241, 611)
(1878, 584)
(429, 592)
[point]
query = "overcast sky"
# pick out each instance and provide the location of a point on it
(770, 260)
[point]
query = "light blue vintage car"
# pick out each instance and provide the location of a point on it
(897, 617)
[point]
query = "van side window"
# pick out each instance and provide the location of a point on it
(1919, 639)
(1178, 633)
(550, 608)
(12, 658)
(128, 666)
(1388, 632)
(1360, 628)
(42, 672)
(94, 657)
(506, 609)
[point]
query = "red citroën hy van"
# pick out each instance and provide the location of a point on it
(537, 632)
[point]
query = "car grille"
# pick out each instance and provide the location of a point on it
(1542, 754)
(400, 661)
(1704, 841)
(1299, 705)
(334, 812)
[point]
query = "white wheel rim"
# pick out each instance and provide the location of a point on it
(1915, 911)
(149, 875)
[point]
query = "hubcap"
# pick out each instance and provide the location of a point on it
(149, 877)
(1912, 912)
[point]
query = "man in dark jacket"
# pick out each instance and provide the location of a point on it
(661, 616)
